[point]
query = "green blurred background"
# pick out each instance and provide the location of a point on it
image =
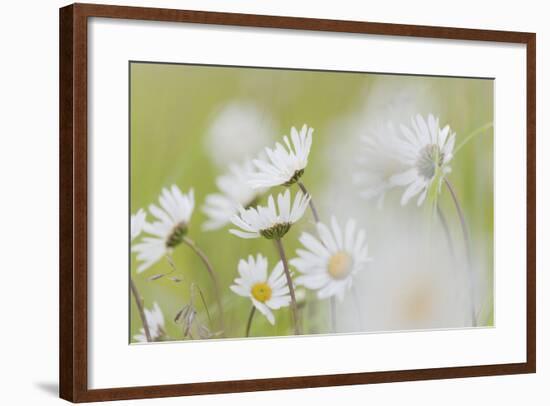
(173, 108)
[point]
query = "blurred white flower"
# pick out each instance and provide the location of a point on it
(155, 321)
(378, 162)
(170, 229)
(239, 130)
(328, 265)
(417, 280)
(284, 166)
(421, 287)
(385, 99)
(426, 150)
(268, 222)
(266, 293)
(136, 223)
(234, 193)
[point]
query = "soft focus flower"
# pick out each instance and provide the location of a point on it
(266, 293)
(347, 154)
(136, 223)
(378, 162)
(239, 130)
(284, 165)
(234, 193)
(329, 264)
(426, 150)
(168, 231)
(414, 284)
(155, 321)
(267, 221)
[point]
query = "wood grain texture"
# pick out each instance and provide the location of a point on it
(73, 362)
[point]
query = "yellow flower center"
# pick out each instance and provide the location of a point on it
(418, 304)
(418, 308)
(261, 292)
(339, 265)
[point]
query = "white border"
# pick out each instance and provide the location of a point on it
(113, 363)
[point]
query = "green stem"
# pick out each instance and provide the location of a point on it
(141, 311)
(467, 244)
(293, 305)
(249, 322)
(212, 274)
(311, 204)
(477, 131)
(447, 232)
(194, 286)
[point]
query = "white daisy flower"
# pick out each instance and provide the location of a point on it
(267, 221)
(328, 265)
(155, 321)
(234, 193)
(284, 166)
(136, 223)
(173, 217)
(240, 129)
(266, 293)
(378, 162)
(426, 149)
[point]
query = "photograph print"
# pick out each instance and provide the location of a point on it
(269, 202)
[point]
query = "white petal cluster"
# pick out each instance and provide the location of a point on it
(136, 223)
(266, 293)
(234, 192)
(172, 219)
(284, 164)
(426, 149)
(271, 221)
(329, 263)
(411, 157)
(378, 162)
(155, 322)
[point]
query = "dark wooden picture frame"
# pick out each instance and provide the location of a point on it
(73, 362)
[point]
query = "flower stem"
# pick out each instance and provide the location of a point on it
(141, 311)
(447, 232)
(467, 244)
(194, 286)
(311, 204)
(249, 322)
(212, 274)
(477, 131)
(293, 305)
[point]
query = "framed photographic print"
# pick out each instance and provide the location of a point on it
(256, 202)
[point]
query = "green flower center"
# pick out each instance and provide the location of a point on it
(297, 175)
(276, 231)
(430, 159)
(176, 236)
